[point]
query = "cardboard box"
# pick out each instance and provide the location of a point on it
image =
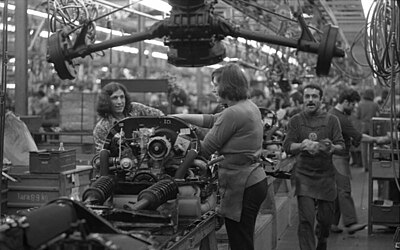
(52, 161)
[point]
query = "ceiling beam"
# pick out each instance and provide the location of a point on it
(332, 17)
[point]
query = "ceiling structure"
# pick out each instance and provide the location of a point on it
(261, 15)
(348, 15)
(268, 16)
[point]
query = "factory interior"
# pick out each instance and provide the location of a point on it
(147, 183)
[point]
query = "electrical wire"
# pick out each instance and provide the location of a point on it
(72, 14)
(381, 39)
(266, 10)
(393, 117)
(378, 37)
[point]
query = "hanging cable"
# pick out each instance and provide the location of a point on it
(393, 110)
(378, 37)
(3, 89)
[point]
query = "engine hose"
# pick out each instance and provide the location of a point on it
(100, 190)
(190, 156)
(104, 162)
(209, 203)
(202, 166)
(155, 195)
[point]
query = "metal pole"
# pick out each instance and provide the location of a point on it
(21, 57)
(3, 90)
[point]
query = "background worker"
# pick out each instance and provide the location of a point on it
(259, 98)
(366, 109)
(237, 134)
(344, 206)
(313, 135)
(113, 105)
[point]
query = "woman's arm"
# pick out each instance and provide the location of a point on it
(200, 120)
(195, 119)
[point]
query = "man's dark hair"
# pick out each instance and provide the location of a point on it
(297, 97)
(369, 94)
(41, 93)
(350, 95)
(314, 86)
(104, 105)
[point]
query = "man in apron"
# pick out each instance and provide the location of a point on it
(344, 206)
(313, 136)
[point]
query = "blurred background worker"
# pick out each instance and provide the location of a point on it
(344, 207)
(366, 109)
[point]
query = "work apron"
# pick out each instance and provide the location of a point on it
(233, 174)
(315, 174)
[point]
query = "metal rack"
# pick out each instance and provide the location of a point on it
(383, 167)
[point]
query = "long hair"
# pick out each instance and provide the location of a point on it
(232, 83)
(104, 105)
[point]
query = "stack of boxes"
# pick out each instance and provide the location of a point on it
(51, 174)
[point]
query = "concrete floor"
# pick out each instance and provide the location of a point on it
(380, 239)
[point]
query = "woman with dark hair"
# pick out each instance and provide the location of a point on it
(237, 134)
(113, 105)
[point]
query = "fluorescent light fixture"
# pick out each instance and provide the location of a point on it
(157, 5)
(126, 49)
(44, 34)
(10, 6)
(11, 85)
(10, 27)
(159, 55)
(37, 13)
(228, 59)
(29, 11)
(155, 42)
(214, 66)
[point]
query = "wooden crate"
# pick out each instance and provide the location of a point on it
(34, 190)
(78, 111)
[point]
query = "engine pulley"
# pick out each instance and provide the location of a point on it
(126, 164)
(158, 147)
